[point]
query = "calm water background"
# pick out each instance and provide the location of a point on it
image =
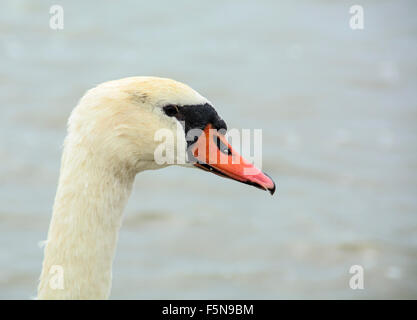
(337, 107)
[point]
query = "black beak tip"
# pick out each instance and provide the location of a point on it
(272, 190)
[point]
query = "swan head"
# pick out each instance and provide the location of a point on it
(142, 123)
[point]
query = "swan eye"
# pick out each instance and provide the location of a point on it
(171, 110)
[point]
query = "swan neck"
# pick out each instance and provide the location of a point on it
(92, 193)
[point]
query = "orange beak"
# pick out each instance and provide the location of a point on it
(213, 153)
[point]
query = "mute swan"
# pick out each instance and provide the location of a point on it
(111, 137)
